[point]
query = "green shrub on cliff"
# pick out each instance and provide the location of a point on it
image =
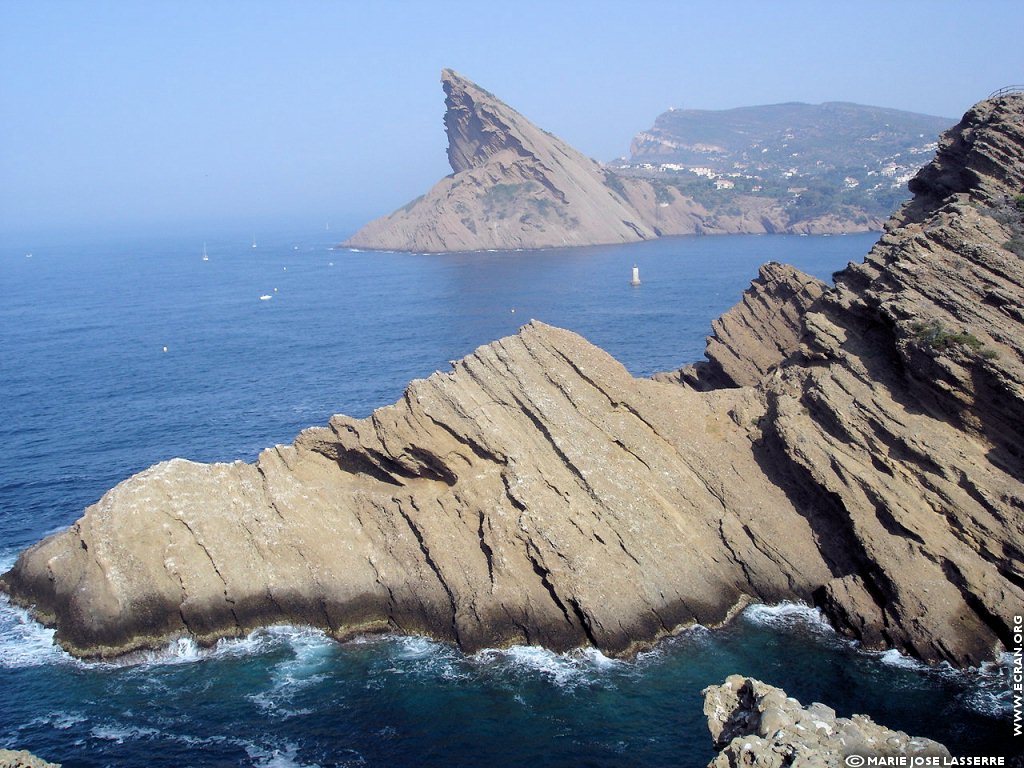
(934, 335)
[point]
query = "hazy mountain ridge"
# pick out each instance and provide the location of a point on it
(836, 157)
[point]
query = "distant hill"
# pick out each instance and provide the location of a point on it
(833, 158)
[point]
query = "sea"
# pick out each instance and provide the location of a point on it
(122, 351)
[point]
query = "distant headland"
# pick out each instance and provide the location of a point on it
(757, 170)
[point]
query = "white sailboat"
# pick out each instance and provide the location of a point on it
(205, 257)
(254, 241)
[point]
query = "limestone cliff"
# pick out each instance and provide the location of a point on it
(904, 418)
(857, 447)
(517, 186)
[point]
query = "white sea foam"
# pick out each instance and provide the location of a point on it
(421, 656)
(185, 650)
(60, 720)
(894, 658)
(987, 692)
(787, 615)
(581, 668)
(278, 756)
(24, 642)
(312, 652)
(119, 734)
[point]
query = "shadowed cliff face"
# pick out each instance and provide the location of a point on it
(476, 132)
(856, 447)
(905, 418)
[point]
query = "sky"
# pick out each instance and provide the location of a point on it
(218, 115)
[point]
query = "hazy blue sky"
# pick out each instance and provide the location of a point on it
(246, 114)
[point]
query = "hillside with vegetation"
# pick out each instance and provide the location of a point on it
(839, 159)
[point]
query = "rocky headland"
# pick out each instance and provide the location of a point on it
(754, 724)
(856, 447)
(515, 185)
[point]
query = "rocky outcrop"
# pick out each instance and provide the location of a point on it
(21, 759)
(857, 447)
(904, 418)
(536, 494)
(517, 186)
(757, 335)
(754, 724)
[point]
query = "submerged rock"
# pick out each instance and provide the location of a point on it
(754, 724)
(857, 447)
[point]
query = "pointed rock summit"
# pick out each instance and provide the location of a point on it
(517, 186)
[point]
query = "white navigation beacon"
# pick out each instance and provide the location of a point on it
(636, 276)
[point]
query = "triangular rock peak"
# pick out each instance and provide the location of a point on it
(517, 186)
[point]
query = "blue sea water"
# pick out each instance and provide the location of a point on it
(88, 396)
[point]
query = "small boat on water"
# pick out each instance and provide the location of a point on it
(205, 257)
(266, 297)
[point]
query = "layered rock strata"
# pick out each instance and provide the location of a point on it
(903, 418)
(536, 494)
(754, 724)
(517, 186)
(857, 447)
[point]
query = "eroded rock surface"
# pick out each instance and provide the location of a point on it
(754, 724)
(514, 186)
(857, 447)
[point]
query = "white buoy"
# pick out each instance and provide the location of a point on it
(636, 276)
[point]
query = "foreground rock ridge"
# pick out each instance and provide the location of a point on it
(855, 447)
(517, 186)
(754, 724)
